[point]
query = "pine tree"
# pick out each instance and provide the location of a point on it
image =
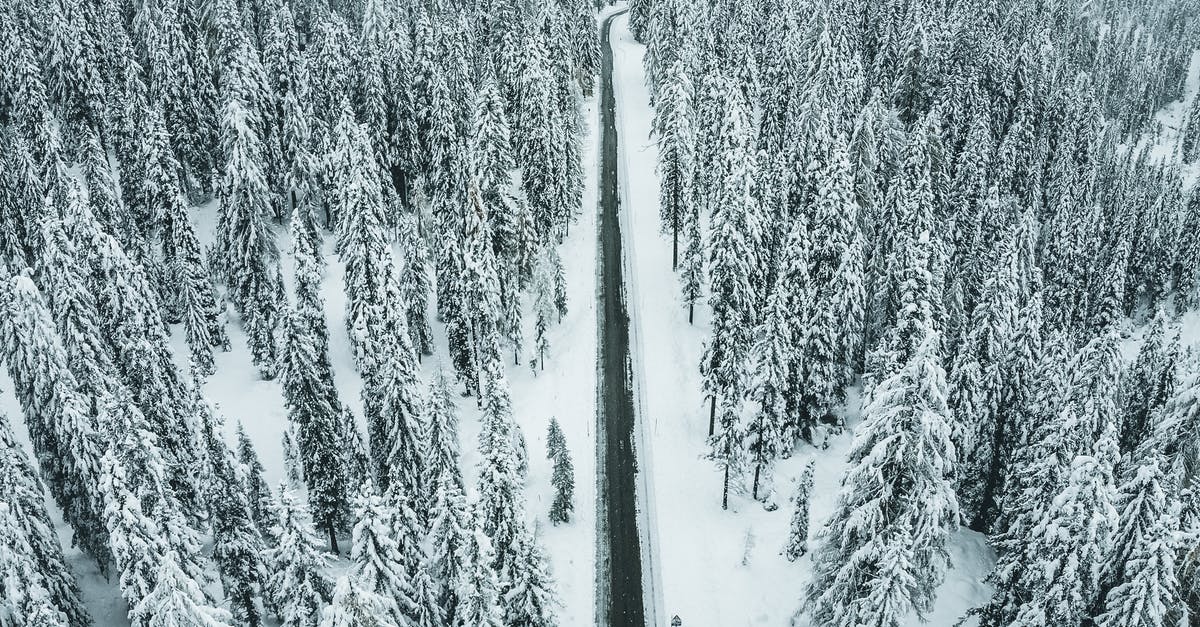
(1141, 585)
(450, 529)
(673, 125)
(562, 477)
(732, 245)
(33, 555)
(1058, 502)
(248, 256)
(1074, 540)
(362, 241)
(378, 566)
(173, 601)
(319, 427)
(25, 600)
(64, 441)
(355, 606)
(530, 601)
(500, 505)
(798, 535)
(292, 460)
(441, 437)
(296, 587)
(692, 277)
(560, 282)
(897, 493)
(726, 445)
(478, 589)
(555, 441)
(417, 285)
(1149, 386)
(203, 317)
(237, 536)
(834, 328)
(392, 401)
(543, 304)
(259, 493)
(767, 434)
(1151, 593)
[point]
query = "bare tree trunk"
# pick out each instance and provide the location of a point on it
(712, 415)
(333, 545)
(725, 488)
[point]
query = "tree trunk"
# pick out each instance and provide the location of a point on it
(725, 488)
(478, 367)
(691, 312)
(712, 415)
(333, 546)
(674, 229)
(757, 471)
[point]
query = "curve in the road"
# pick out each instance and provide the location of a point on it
(619, 600)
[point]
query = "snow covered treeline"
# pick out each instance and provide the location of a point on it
(962, 208)
(437, 144)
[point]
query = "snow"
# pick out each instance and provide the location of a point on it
(717, 567)
(1172, 118)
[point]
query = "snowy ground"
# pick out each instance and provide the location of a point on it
(717, 567)
(566, 390)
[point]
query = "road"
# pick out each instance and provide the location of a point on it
(618, 560)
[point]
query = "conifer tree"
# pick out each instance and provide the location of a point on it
(362, 241)
(766, 434)
(834, 328)
(202, 312)
(1059, 496)
(450, 529)
(673, 125)
(478, 589)
(296, 587)
(691, 278)
(732, 246)
(500, 504)
(530, 600)
(356, 606)
(543, 304)
(1140, 584)
(441, 436)
(562, 477)
(393, 405)
(897, 493)
(34, 558)
(319, 427)
(258, 492)
(1149, 386)
(560, 282)
(246, 244)
(175, 600)
(1150, 594)
(25, 600)
(64, 441)
(797, 544)
(793, 288)
(237, 536)
(416, 285)
(378, 566)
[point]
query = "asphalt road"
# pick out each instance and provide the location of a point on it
(619, 574)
